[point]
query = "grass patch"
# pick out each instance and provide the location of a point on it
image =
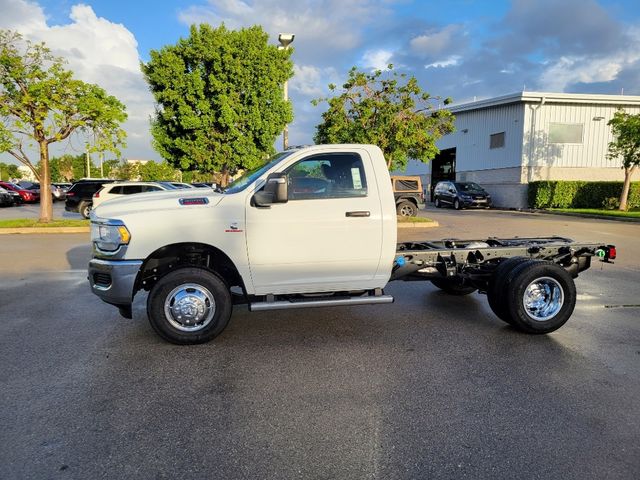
(31, 223)
(633, 213)
(414, 220)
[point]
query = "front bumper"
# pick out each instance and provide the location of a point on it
(475, 203)
(114, 280)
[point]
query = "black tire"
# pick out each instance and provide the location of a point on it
(549, 291)
(456, 204)
(496, 294)
(406, 209)
(204, 294)
(85, 209)
(453, 286)
(437, 203)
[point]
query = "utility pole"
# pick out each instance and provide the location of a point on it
(285, 40)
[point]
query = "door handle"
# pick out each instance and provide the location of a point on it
(359, 213)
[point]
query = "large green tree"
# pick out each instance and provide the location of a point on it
(626, 147)
(152, 171)
(219, 99)
(387, 109)
(41, 103)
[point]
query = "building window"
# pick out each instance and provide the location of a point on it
(565, 132)
(496, 140)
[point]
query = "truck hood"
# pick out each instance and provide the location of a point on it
(157, 201)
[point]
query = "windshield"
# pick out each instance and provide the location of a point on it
(250, 176)
(469, 187)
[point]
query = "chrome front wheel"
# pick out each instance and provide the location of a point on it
(189, 307)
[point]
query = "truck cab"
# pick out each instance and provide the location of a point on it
(311, 221)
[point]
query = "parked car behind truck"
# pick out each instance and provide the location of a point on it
(79, 198)
(408, 194)
(461, 195)
(313, 227)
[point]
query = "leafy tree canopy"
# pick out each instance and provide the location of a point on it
(8, 171)
(626, 147)
(219, 95)
(386, 109)
(41, 103)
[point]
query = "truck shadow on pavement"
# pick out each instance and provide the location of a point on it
(78, 257)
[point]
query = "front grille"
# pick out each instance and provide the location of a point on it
(102, 279)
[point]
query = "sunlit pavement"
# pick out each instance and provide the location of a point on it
(432, 386)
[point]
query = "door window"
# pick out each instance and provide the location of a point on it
(327, 176)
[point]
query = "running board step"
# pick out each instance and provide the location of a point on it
(332, 302)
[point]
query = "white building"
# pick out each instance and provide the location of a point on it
(506, 142)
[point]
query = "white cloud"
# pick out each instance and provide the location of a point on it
(312, 81)
(323, 28)
(97, 51)
(451, 61)
(436, 42)
(376, 59)
(581, 69)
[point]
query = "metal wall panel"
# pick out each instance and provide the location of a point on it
(591, 152)
(473, 131)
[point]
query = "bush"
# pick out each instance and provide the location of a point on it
(611, 203)
(579, 194)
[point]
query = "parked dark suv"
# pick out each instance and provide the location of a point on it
(80, 196)
(461, 195)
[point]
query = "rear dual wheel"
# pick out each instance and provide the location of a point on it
(534, 296)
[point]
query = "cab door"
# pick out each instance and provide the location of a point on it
(327, 237)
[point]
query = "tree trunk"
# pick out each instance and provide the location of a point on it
(46, 208)
(224, 176)
(628, 171)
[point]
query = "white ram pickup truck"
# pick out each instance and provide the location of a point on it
(314, 226)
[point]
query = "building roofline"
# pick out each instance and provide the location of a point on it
(548, 97)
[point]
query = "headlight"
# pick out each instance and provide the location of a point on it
(108, 236)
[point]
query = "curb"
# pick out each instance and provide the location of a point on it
(28, 230)
(418, 224)
(587, 215)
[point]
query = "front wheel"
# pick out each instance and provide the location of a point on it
(540, 295)
(189, 306)
(456, 204)
(407, 209)
(437, 203)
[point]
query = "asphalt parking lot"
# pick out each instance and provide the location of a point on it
(432, 386)
(32, 210)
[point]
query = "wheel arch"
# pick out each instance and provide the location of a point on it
(187, 254)
(413, 200)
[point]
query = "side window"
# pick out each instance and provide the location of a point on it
(130, 189)
(117, 190)
(327, 176)
(150, 188)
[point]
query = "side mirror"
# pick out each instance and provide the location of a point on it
(275, 190)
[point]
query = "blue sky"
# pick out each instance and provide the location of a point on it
(462, 49)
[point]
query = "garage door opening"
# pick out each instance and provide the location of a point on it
(443, 167)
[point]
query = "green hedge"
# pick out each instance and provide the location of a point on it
(578, 194)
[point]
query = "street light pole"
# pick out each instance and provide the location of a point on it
(285, 40)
